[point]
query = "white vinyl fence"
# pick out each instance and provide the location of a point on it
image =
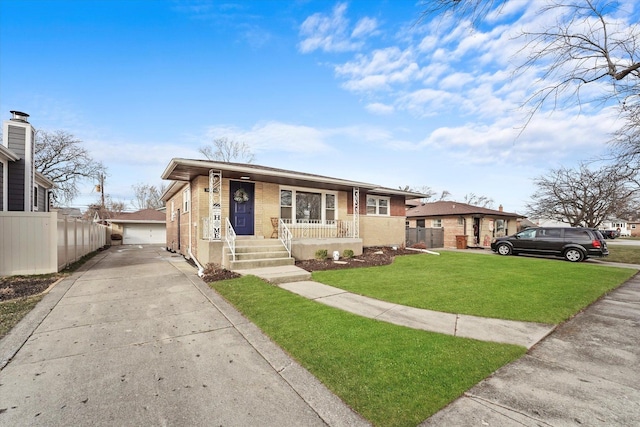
(45, 242)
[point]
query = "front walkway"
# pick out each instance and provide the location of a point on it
(525, 334)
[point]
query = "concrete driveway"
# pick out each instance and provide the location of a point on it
(136, 338)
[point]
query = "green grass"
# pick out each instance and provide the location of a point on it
(11, 312)
(391, 375)
(516, 288)
(625, 254)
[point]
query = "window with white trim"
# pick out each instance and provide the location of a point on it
(436, 223)
(377, 205)
(307, 206)
(186, 200)
(173, 211)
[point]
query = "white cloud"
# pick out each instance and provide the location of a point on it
(380, 108)
(275, 136)
(366, 26)
(330, 33)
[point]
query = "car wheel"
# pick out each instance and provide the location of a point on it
(504, 249)
(573, 255)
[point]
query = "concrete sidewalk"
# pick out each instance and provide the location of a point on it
(585, 373)
(136, 338)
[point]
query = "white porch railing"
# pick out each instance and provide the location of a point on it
(318, 229)
(285, 236)
(230, 238)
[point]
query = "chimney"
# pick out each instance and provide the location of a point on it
(500, 208)
(19, 136)
(19, 116)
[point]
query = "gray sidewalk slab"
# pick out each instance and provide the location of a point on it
(136, 338)
(585, 373)
(526, 334)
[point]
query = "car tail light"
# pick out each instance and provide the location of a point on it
(596, 243)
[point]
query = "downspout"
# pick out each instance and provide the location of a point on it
(200, 269)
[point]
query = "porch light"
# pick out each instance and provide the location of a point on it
(245, 177)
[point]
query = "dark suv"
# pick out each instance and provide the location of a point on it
(574, 244)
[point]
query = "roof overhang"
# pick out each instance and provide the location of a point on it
(44, 181)
(7, 154)
(185, 170)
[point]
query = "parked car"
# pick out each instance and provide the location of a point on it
(574, 244)
(610, 234)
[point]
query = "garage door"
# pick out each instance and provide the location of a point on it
(144, 234)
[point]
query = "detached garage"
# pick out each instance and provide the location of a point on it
(145, 227)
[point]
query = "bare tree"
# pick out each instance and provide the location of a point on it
(110, 209)
(147, 196)
(482, 201)
(424, 189)
(582, 197)
(588, 53)
(61, 157)
(228, 150)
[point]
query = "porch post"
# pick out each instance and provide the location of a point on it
(215, 205)
(356, 212)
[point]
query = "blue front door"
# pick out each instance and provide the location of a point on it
(242, 202)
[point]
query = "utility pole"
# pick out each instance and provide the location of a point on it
(100, 188)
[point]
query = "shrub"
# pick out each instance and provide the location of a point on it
(347, 253)
(321, 254)
(420, 245)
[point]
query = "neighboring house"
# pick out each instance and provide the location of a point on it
(215, 209)
(634, 228)
(22, 188)
(144, 227)
(478, 225)
(545, 222)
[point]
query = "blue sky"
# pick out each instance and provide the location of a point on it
(357, 90)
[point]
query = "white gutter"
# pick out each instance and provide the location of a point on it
(200, 269)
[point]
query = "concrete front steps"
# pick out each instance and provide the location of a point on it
(267, 259)
(278, 275)
(259, 253)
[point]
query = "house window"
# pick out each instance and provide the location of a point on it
(330, 207)
(186, 200)
(308, 206)
(420, 223)
(286, 199)
(377, 205)
(500, 225)
(303, 206)
(460, 220)
(35, 197)
(173, 210)
(436, 223)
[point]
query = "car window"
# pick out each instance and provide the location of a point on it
(576, 233)
(527, 234)
(548, 233)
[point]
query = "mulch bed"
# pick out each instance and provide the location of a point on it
(13, 287)
(371, 257)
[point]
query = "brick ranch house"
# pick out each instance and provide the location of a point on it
(479, 225)
(244, 216)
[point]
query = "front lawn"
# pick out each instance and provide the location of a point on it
(391, 375)
(515, 287)
(624, 254)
